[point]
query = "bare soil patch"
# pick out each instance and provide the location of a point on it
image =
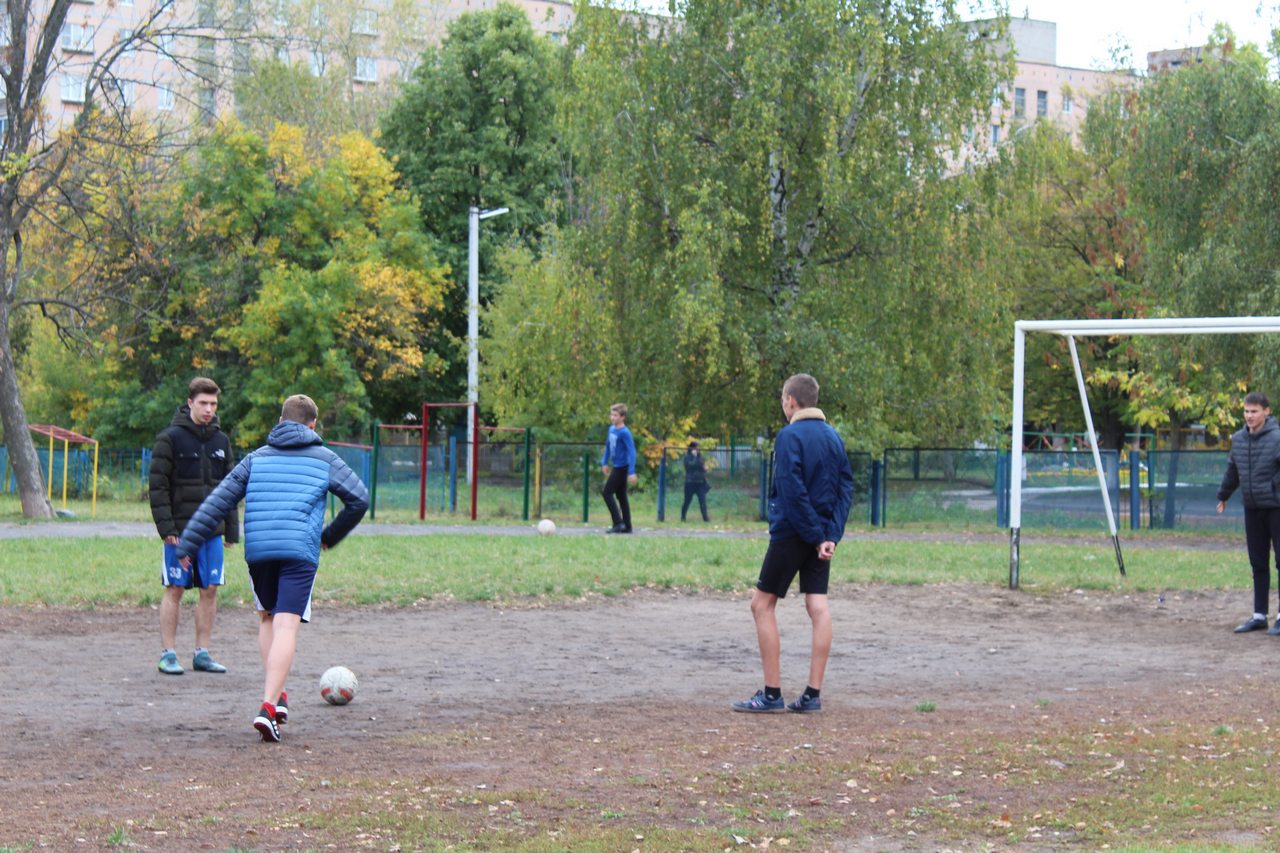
(604, 712)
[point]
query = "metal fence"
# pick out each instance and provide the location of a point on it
(518, 478)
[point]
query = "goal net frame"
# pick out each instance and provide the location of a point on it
(1071, 329)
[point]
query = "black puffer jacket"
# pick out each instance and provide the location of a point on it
(1254, 466)
(187, 463)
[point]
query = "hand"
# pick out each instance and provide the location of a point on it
(171, 540)
(604, 469)
(1222, 505)
(633, 479)
(826, 550)
(185, 562)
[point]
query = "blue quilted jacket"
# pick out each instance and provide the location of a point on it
(812, 487)
(284, 486)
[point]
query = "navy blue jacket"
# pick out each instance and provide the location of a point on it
(1254, 465)
(284, 486)
(812, 482)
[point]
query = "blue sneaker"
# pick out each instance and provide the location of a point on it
(204, 662)
(761, 704)
(806, 704)
(169, 664)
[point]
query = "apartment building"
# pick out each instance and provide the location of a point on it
(1041, 89)
(179, 55)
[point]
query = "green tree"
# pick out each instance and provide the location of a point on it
(41, 174)
(284, 271)
(764, 189)
(1203, 161)
(474, 127)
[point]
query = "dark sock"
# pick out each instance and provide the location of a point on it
(811, 692)
(773, 692)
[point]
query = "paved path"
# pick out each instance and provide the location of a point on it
(74, 528)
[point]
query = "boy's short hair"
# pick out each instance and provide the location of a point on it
(1257, 398)
(804, 388)
(619, 408)
(693, 444)
(202, 385)
(299, 408)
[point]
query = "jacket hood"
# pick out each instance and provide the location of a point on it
(292, 434)
(182, 418)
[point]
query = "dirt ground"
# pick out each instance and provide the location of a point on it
(616, 710)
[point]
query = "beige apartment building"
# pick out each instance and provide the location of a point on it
(177, 55)
(1041, 89)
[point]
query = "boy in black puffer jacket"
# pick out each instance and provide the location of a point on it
(1253, 466)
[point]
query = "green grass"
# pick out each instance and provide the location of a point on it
(88, 572)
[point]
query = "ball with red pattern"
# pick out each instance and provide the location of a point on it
(338, 685)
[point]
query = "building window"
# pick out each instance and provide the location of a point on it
(164, 98)
(73, 88)
(126, 91)
(1067, 104)
(1019, 102)
(1042, 102)
(165, 43)
(4, 124)
(76, 38)
(366, 69)
(365, 22)
(995, 133)
(317, 63)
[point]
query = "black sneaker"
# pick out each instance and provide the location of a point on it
(265, 723)
(806, 704)
(282, 709)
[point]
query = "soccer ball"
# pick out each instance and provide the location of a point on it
(546, 527)
(338, 685)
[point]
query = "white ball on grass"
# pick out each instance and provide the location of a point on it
(546, 527)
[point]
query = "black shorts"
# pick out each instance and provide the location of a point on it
(785, 559)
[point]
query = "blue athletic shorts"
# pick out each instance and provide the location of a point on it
(206, 566)
(785, 559)
(283, 586)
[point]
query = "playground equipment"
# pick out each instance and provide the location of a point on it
(67, 437)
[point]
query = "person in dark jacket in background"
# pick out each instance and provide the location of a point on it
(695, 481)
(1253, 466)
(284, 486)
(808, 505)
(190, 458)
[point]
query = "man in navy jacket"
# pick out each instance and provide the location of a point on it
(808, 504)
(284, 486)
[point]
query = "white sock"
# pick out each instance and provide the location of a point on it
(1259, 616)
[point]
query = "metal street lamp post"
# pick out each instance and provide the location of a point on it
(473, 324)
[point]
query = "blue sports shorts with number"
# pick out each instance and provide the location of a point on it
(206, 566)
(283, 586)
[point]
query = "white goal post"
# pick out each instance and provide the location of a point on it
(1071, 329)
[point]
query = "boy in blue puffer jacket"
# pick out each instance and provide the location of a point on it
(284, 486)
(808, 505)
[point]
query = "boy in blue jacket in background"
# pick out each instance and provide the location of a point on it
(808, 504)
(284, 486)
(618, 464)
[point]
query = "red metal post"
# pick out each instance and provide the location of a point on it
(422, 471)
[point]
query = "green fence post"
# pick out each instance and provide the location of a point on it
(373, 487)
(732, 457)
(528, 442)
(586, 484)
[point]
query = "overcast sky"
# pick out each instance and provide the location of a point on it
(1088, 30)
